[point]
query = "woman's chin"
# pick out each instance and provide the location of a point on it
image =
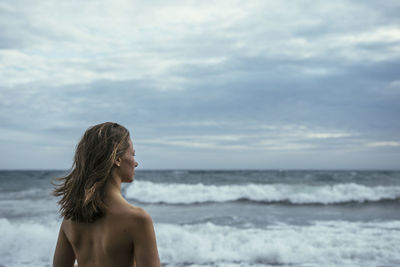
(126, 180)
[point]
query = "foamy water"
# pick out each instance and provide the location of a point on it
(228, 219)
(328, 243)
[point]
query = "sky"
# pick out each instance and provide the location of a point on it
(203, 84)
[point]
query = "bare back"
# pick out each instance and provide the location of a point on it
(124, 234)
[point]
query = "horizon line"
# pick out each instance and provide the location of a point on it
(231, 169)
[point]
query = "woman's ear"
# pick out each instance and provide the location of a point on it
(118, 162)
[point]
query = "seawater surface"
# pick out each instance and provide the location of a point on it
(228, 218)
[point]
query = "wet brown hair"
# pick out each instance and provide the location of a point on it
(82, 190)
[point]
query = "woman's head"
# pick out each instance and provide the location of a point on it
(102, 152)
(124, 169)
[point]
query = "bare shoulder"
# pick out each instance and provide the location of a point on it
(143, 237)
(137, 220)
(66, 224)
(139, 215)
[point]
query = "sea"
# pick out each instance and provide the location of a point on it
(227, 218)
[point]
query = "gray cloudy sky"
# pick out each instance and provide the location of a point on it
(203, 84)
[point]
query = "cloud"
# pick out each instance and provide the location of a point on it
(384, 144)
(212, 75)
(99, 41)
(251, 137)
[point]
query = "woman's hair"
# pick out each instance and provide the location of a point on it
(82, 190)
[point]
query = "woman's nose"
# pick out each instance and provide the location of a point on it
(136, 164)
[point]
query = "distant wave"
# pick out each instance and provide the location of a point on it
(31, 193)
(148, 192)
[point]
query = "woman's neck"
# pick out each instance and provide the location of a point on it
(113, 190)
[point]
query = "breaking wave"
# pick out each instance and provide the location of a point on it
(328, 243)
(148, 192)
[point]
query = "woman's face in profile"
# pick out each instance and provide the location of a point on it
(128, 164)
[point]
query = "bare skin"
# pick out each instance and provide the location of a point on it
(123, 237)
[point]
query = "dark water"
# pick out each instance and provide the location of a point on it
(229, 218)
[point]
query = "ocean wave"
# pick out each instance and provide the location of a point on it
(328, 243)
(31, 193)
(148, 192)
(27, 243)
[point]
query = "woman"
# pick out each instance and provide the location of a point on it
(100, 228)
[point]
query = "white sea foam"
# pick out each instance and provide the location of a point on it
(322, 244)
(296, 194)
(332, 243)
(27, 244)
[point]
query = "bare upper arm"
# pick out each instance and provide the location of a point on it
(64, 255)
(144, 240)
